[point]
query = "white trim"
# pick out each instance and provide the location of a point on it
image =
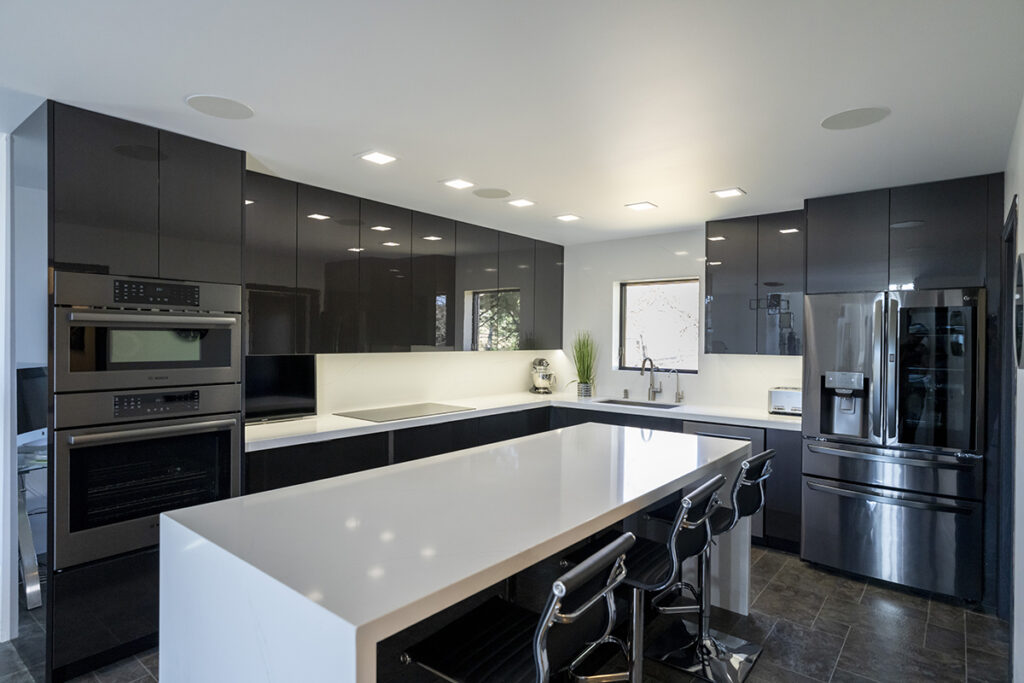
(8, 479)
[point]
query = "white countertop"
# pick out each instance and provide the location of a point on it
(385, 548)
(327, 426)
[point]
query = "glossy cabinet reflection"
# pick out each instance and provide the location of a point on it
(516, 268)
(200, 210)
(848, 243)
(937, 234)
(780, 283)
(273, 314)
(476, 275)
(385, 277)
(433, 283)
(731, 286)
(548, 287)
(327, 270)
(105, 185)
(782, 508)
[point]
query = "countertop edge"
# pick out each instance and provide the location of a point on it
(313, 430)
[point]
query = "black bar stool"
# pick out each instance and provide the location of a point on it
(501, 641)
(713, 655)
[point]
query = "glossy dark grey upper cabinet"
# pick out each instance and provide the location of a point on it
(516, 266)
(200, 210)
(385, 277)
(548, 286)
(105, 188)
(476, 278)
(937, 234)
(433, 283)
(848, 243)
(780, 283)
(328, 268)
(269, 230)
(730, 310)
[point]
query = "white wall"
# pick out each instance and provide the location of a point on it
(1015, 186)
(8, 488)
(365, 380)
(592, 274)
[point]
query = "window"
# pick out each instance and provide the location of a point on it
(660, 320)
(496, 320)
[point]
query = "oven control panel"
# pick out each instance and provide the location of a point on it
(141, 292)
(156, 405)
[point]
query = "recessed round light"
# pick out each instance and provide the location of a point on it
(221, 107)
(855, 118)
(492, 193)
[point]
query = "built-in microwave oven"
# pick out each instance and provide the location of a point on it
(120, 333)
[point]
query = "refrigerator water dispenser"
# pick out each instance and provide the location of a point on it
(844, 404)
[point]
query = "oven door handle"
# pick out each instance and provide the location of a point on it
(149, 432)
(878, 497)
(150, 319)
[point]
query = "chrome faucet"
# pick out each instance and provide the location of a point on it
(651, 392)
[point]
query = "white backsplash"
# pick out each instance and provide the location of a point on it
(364, 380)
(593, 273)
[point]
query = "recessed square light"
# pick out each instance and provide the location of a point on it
(714, 263)
(789, 231)
(568, 217)
(680, 253)
(356, 249)
(642, 206)
(520, 203)
(716, 238)
(380, 228)
(433, 238)
(318, 216)
(390, 244)
(250, 201)
(458, 183)
(728, 192)
(379, 158)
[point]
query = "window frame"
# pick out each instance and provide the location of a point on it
(622, 321)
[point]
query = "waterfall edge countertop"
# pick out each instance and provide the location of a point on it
(324, 427)
(300, 583)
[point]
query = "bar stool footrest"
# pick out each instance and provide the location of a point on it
(720, 658)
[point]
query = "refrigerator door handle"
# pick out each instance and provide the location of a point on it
(877, 381)
(891, 378)
(878, 496)
(948, 462)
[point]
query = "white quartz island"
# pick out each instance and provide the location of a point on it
(301, 583)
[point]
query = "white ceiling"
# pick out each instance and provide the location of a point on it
(580, 105)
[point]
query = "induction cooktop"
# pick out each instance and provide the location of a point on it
(403, 412)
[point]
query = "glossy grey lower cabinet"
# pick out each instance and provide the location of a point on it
(782, 490)
(756, 437)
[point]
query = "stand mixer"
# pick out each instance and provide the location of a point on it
(541, 376)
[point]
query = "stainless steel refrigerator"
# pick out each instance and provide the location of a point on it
(893, 430)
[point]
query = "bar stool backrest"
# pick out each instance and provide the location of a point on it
(570, 621)
(748, 489)
(691, 531)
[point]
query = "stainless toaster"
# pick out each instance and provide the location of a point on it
(785, 401)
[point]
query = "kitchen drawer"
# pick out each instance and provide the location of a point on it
(930, 543)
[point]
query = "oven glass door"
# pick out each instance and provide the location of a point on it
(106, 350)
(113, 483)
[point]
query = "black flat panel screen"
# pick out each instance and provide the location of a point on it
(278, 387)
(33, 393)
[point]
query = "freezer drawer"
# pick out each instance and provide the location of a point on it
(940, 474)
(926, 542)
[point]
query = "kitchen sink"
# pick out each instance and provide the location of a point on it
(639, 404)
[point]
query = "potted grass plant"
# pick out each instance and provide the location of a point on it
(584, 357)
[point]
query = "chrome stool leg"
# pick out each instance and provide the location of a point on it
(708, 654)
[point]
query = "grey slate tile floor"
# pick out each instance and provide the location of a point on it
(815, 625)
